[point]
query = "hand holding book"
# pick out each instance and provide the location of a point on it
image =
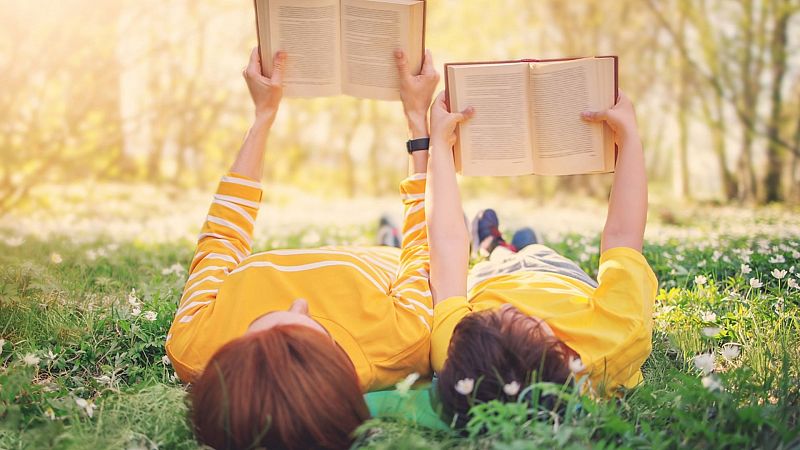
(266, 92)
(416, 91)
(621, 118)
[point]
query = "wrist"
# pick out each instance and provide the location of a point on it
(418, 125)
(264, 118)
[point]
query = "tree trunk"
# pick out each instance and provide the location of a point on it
(681, 173)
(775, 153)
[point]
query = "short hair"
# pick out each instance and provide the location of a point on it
(288, 387)
(495, 349)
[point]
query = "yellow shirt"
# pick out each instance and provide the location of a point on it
(610, 327)
(374, 301)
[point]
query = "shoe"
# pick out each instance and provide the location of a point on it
(486, 233)
(388, 234)
(524, 237)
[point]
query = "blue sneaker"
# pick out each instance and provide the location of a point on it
(485, 232)
(524, 237)
(388, 234)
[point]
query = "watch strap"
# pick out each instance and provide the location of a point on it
(414, 145)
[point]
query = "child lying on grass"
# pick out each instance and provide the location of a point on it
(280, 346)
(534, 315)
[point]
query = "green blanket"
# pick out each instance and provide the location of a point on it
(414, 405)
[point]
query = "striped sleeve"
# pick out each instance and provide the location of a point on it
(224, 241)
(411, 289)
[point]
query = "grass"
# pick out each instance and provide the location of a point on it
(78, 369)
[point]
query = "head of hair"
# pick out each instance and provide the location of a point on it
(495, 348)
(288, 387)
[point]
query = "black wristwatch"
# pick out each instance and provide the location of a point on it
(415, 145)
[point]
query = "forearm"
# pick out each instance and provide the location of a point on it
(627, 205)
(418, 128)
(447, 232)
(250, 159)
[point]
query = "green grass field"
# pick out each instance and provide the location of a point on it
(83, 321)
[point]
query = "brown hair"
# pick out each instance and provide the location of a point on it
(495, 348)
(288, 387)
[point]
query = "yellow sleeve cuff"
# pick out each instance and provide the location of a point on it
(446, 315)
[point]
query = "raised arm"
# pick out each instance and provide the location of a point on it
(447, 232)
(627, 206)
(227, 232)
(411, 285)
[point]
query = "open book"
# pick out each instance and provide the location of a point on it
(341, 46)
(527, 116)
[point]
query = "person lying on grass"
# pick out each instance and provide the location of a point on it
(534, 315)
(280, 346)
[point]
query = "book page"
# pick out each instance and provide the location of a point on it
(496, 140)
(308, 32)
(563, 143)
(371, 31)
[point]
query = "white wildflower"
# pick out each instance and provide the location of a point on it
(176, 269)
(679, 257)
(55, 258)
(404, 385)
(711, 331)
(166, 361)
(50, 414)
(87, 405)
(712, 383)
(755, 283)
(778, 274)
(30, 359)
(103, 379)
(746, 269)
(150, 315)
(708, 316)
(700, 280)
(701, 264)
(511, 389)
(50, 356)
(576, 365)
(704, 362)
(796, 254)
(135, 311)
(132, 299)
(465, 386)
(792, 283)
(777, 259)
(730, 351)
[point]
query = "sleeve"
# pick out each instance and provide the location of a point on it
(625, 296)
(411, 289)
(224, 241)
(627, 284)
(446, 315)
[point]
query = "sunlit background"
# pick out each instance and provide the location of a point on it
(120, 98)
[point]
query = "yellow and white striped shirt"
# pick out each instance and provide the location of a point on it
(374, 301)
